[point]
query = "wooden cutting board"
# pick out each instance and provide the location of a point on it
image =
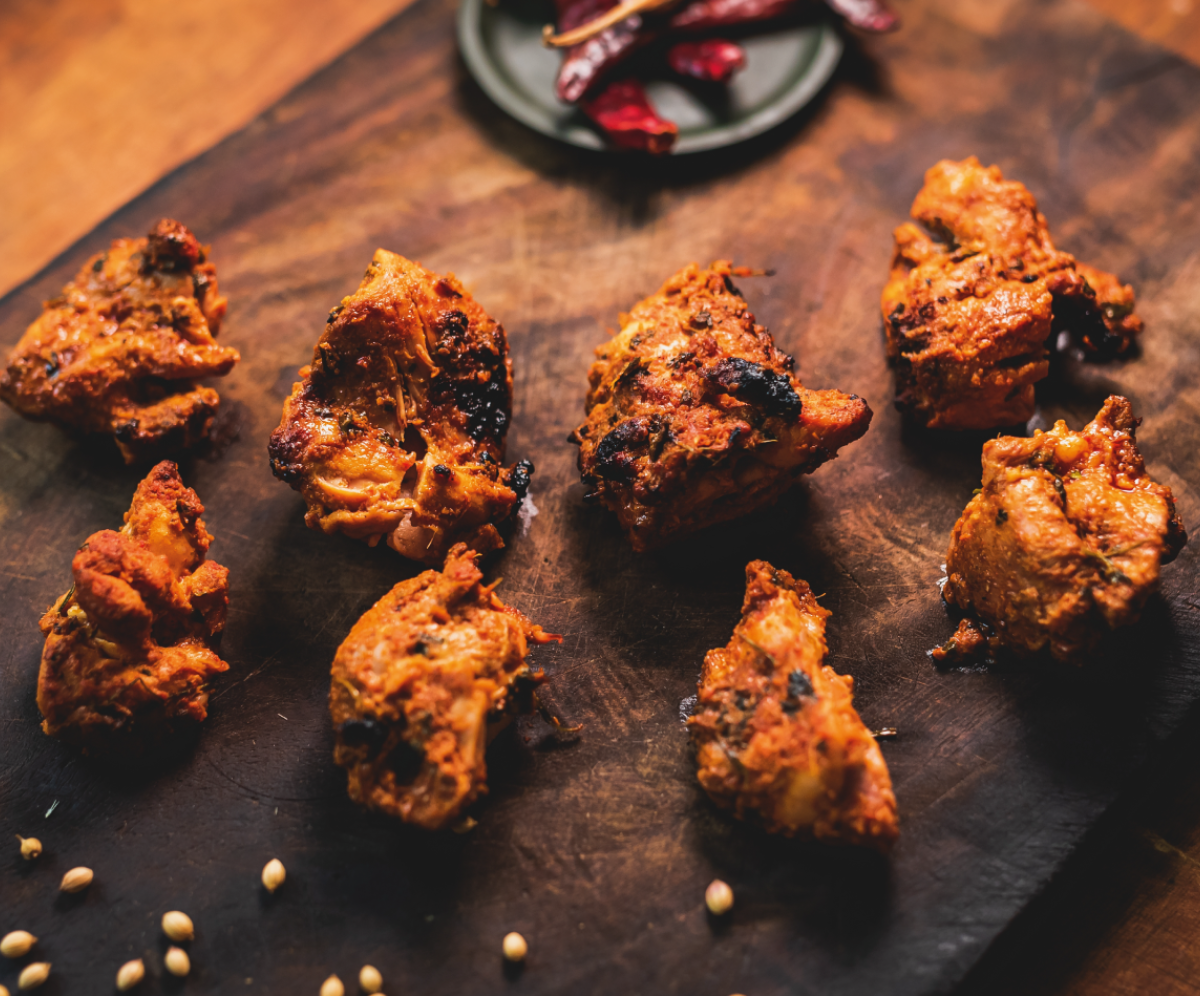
(598, 850)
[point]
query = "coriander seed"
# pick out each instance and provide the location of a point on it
(31, 847)
(177, 961)
(130, 974)
(515, 947)
(333, 987)
(17, 943)
(77, 879)
(370, 979)
(273, 876)
(34, 975)
(178, 926)
(718, 897)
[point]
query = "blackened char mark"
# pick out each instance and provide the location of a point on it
(612, 458)
(754, 382)
(363, 733)
(519, 478)
(1082, 316)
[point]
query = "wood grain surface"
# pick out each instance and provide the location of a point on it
(101, 98)
(598, 850)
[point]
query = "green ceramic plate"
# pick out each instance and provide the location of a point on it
(785, 69)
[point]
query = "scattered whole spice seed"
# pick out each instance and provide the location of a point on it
(515, 947)
(178, 926)
(77, 879)
(130, 974)
(177, 961)
(31, 847)
(17, 943)
(718, 897)
(273, 876)
(333, 987)
(34, 975)
(370, 979)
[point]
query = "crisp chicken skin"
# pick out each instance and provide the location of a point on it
(694, 417)
(397, 428)
(419, 683)
(1064, 541)
(778, 740)
(119, 351)
(969, 308)
(130, 648)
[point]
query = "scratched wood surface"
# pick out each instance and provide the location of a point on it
(599, 850)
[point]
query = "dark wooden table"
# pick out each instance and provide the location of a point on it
(599, 850)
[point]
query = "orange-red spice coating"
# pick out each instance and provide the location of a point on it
(397, 427)
(694, 417)
(969, 307)
(1064, 541)
(131, 647)
(778, 740)
(419, 683)
(119, 351)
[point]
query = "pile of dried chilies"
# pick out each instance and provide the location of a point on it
(597, 40)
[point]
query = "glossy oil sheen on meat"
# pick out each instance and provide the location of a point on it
(418, 684)
(1064, 541)
(131, 647)
(694, 417)
(778, 740)
(397, 427)
(119, 351)
(970, 307)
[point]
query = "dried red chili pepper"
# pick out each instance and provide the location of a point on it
(584, 64)
(713, 59)
(704, 15)
(624, 113)
(870, 15)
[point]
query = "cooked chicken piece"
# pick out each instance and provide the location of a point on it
(426, 676)
(130, 648)
(694, 417)
(777, 738)
(1063, 542)
(397, 428)
(969, 311)
(120, 349)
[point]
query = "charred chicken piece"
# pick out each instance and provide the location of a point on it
(120, 349)
(423, 680)
(694, 417)
(778, 740)
(1063, 542)
(970, 307)
(397, 428)
(130, 648)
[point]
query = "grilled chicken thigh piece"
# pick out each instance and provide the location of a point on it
(397, 427)
(969, 308)
(778, 740)
(120, 350)
(694, 417)
(1064, 541)
(131, 647)
(423, 678)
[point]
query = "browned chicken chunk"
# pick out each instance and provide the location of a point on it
(778, 740)
(397, 428)
(119, 351)
(1063, 542)
(130, 648)
(694, 417)
(424, 678)
(970, 307)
